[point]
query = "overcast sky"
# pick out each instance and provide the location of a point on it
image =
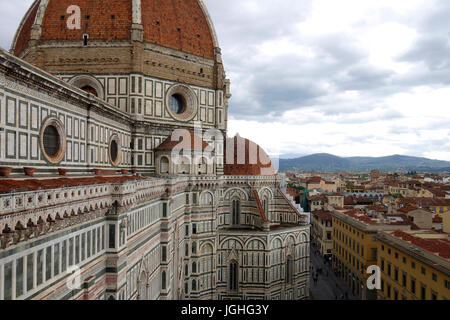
(348, 77)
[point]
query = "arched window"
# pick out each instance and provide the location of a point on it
(236, 212)
(163, 280)
(233, 276)
(289, 269)
(186, 270)
(194, 285)
(206, 199)
(88, 84)
(194, 267)
(164, 165)
(90, 90)
(265, 205)
(194, 248)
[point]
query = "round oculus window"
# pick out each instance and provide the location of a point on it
(181, 102)
(51, 141)
(177, 104)
(114, 150)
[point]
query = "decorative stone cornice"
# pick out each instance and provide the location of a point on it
(19, 70)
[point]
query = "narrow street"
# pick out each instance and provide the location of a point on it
(328, 286)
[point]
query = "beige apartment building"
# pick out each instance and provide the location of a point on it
(322, 231)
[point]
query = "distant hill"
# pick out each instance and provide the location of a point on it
(329, 162)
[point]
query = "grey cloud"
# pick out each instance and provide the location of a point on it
(12, 13)
(263, 89)
(362, 78)
(432, 48)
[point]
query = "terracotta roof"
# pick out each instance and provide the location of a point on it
(324, 215)
(7, 186)
(437, 192)
(349, 200)
(407, 209)
(426, 202)
(180, 25)
(314, 180)
(377, 208)
(258, 203)
(98, 26)
(437, 219)
(245, 158)
(360, 216)
(193, 142)
(293, 192)
(319, 197)
(24, 34)
(440, 247)
(363, 200)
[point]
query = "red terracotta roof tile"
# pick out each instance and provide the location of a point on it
(324, 215)
(193, 142)
(180, 25)
(247, 159)
(437, 246)
(47, 184)
(258, 203)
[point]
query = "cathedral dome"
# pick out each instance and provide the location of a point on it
(245, 158)
(182, 25)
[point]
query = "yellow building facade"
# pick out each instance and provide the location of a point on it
(441, 209)
(408, 270)
(354, 248)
